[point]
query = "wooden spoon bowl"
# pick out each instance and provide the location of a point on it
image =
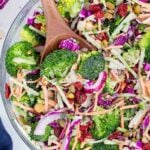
(57, 29)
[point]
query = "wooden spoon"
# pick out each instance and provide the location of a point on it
(57, 29)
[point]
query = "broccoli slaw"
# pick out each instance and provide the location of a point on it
(80, 99)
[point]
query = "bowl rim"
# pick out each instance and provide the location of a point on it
(6, 103)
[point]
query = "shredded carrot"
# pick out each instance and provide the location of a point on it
(78, 134)
(50, 148)
(51, 103)
(99, 25)
(145, 87)
(18, 91)
(20, 75)
(127, 74)
(119, 104)
(95, 113)
(146, 5)
(114, 76)
(45, 97)
(143, 16)
(23, 106)
(57, 143)
(129, 107)
(145, 9)
(35, 81)
(113, 47)
(96, 99)
(122, 118)
(120, 146)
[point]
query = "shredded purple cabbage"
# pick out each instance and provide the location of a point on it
(129, 89)
(30, 20)
(36, 12)
(34, 72)
(69, 44)
(146, 67)
(135, 100)
(133, 31)
(120, 40)
(104, 102)
(3, 3)
(84, 13)
(139, 144)
(145, 122)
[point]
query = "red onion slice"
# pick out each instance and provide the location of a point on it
(91, 87)
(47, 119)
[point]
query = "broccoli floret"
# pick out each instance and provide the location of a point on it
(109, 86)
(69, 8)
(41, 138)
(145, 44)
(91, 65)
(31, 36)
(58, 63)
(28, 100)
(112, 23)
(105, 124)
(131, 57)
(21, 55)
(102, 146)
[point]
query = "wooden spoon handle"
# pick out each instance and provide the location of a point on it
(54, 21)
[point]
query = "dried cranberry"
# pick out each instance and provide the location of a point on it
(99, 14)
(80, 97)
(7, 91)
(57, 131)
(78, 86)
(85, 131)
(84, 128)
(102, 36)
(123, 9)
(37, 26)
(146, 146)
(116, 135)
(95, 8)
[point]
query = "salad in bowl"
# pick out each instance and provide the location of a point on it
(79, 98)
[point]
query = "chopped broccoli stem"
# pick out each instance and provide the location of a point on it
(21, 55)
(145, 44)
(27, 34)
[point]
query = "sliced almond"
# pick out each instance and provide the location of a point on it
(110, 11)
(110, 5)
(89, 26)
(108, 15)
